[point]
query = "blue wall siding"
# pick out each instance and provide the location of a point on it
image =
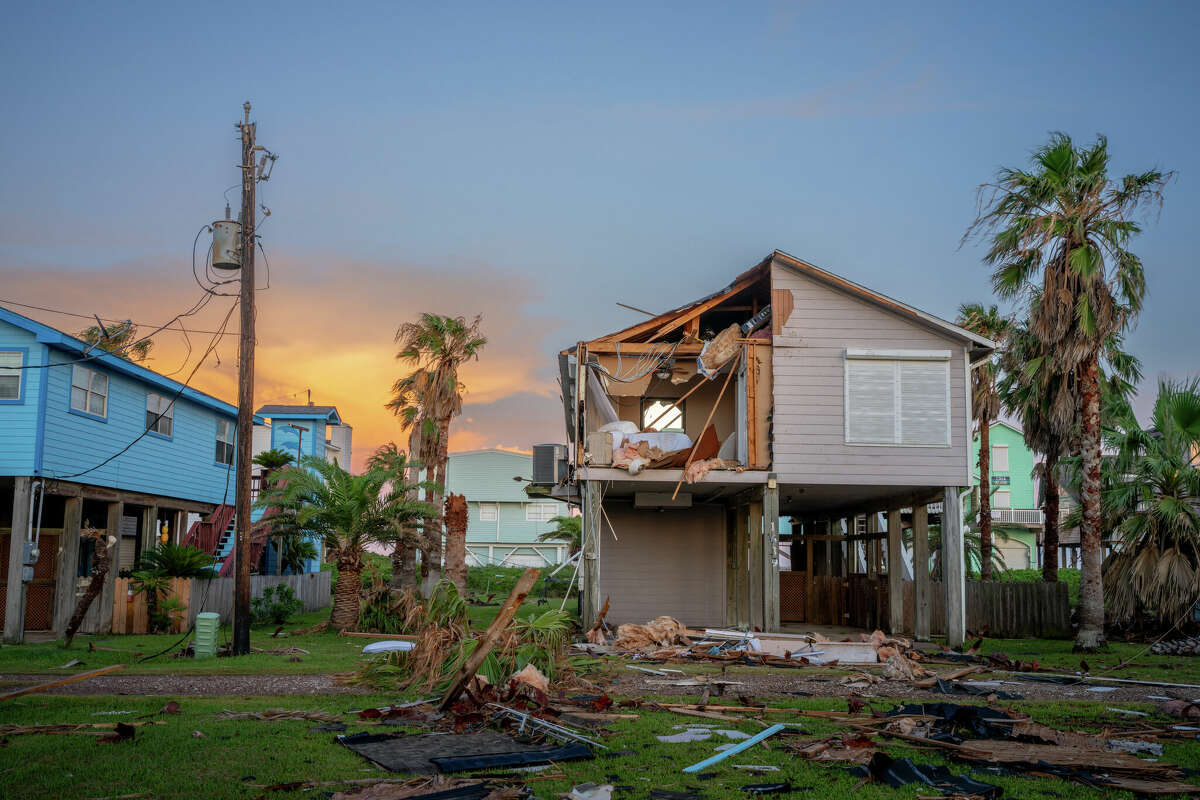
(18, 420)
(284, 437)
(183, 466)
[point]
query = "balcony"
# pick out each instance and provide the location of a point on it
(1018, 516)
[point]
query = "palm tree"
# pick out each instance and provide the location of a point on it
(1152, 493)
(400, 469)
(271, 460)
(430, 397)
(121, 339)
(566, 529)
(347, 512)
(1059, 233)
(985, 407)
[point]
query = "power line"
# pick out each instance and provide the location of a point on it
(6, 301)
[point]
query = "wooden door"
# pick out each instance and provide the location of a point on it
(39, 595)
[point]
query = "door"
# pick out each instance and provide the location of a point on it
(39, 596)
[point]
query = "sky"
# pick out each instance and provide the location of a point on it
(538, 163)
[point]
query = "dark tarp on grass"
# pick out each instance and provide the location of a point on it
(424, 754)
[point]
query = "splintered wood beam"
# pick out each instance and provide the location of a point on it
(640, 348)
(707, 305)
(492, 635)
(692, 454)
(41, 687)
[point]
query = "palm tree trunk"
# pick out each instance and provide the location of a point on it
(404, 554)
(1050, 523)
(99, 574)
(985, 500)
(347, 595)
(1091, 589)
(433, 534)
(456, 541)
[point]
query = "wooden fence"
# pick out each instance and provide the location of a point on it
(1001, 608)
(130, 614)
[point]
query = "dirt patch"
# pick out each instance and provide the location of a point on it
(249, 685)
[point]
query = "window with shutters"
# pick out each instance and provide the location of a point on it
(1002, 498)
(540, 512)
(1000, 458)
(488, 512)
(898, 397)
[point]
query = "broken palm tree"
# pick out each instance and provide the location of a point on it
(96, 584)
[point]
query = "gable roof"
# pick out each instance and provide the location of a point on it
(327, 413)
(858, 290)
(59, 340)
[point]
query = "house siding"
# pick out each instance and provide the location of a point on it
(809, 392)
(183, 466)
(19, 420)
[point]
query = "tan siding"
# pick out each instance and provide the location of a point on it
(665, 563)
(808, 364)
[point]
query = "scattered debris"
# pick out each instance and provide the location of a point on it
(902, 772)
(41, 687)
(1187, 646)
(74, 662)
(658, 632)
(279, 714)
(767, 788)
(590, 791)
(737, 748)
(532, 676)
(388, 646)
(430, 753)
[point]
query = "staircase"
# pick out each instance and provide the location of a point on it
(217, 536)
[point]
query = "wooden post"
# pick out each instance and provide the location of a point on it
(953, 572)
(149, 528)
(68, 564)
(895, 543)
(756, 565)
(810, 606)
(14, 600)
(771, 548)
(921, 598)
(589, 561)
(486, 642)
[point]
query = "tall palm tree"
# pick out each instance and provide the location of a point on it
(985, 407)
(435, 346)
(401, 470)
(412, 399)
(347, 512)
(1059, 233)
(1152, 492)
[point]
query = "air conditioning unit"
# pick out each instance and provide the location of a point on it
(549, 464)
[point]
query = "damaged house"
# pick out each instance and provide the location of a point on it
(791, 392)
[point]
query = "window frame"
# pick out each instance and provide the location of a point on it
(1005, 491)
(529, 507)
(22, 354)
(896, 358)
(648, 401)
(231, 443)
(168, 414)
(492, 508)
(88, 392)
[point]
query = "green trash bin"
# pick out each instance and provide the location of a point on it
(207, 625)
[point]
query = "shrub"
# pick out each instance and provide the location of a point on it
(277, 605)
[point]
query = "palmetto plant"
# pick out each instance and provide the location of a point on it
(566, 529)
(428, 398)
(403, 469)
(1059, 233)
(346, 512)
(985, 407)
(274, 459)
(1151, 493)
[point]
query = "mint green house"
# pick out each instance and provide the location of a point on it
(1015, 504)
(504, 522)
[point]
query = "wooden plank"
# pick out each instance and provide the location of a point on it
(782, 303)
(770, 509)
(756, 566)
(41, 687)
(895, 584)
(68, 564)
(697, 310)
(486, 642)
(809, 589)
(750, 456)
(636, 348)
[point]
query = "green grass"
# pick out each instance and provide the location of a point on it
(234, 759)
(1055, 655)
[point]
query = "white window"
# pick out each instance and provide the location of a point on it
(488, 512)
(160, 414)
(10, 374)
(89, 391)
(1000, 457)
(225, 439)
(540, 512)
(1001, 498)
(898, 397)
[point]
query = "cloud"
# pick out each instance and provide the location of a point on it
(327, 326)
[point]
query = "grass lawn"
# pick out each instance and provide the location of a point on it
(328, 652)
(235, 759)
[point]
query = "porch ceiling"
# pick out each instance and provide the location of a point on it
(795, 499)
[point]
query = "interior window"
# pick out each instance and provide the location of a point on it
(653, 416)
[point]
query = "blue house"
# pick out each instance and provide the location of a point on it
(503, 521)
(303, 431)
(93, 440)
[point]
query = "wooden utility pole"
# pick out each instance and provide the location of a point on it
(245, 421)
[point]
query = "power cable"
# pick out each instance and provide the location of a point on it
(48, 310)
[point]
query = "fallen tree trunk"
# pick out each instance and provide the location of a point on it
(95, 586)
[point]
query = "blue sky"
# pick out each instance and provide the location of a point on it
(538, 162)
